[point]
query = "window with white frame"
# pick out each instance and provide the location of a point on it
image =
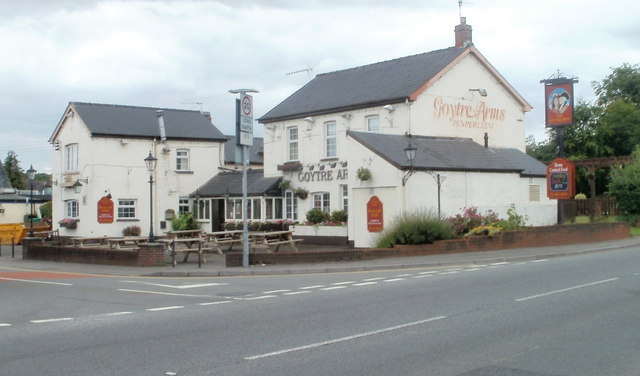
(290, 205)
(182, 159)
(71, 209)
(344, 197)
(71, 156)
(373, 123)
(292, 144)
(126, 208)
(321, 200)
(272, 208)
(204, 209)
(183, 205)
(330, 140)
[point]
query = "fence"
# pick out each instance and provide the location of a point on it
(592, 207)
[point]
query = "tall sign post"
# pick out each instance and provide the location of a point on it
(244, 139)
(560, 113)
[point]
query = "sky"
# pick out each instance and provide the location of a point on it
(189, 54)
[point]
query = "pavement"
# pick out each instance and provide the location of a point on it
(11, 260)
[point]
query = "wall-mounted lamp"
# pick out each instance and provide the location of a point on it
(410, 153)
(309, 119)
(347, 115)
(482, 92)
(77, 186)
(389, 107)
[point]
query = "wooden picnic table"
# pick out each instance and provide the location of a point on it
(187, 246)
(185, 233)
(273, 240)
(220, 238)
(127, 240)
(95, 241)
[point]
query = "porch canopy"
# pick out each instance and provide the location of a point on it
(229, 184)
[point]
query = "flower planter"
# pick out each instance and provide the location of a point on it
(329, 235)
(70, 225)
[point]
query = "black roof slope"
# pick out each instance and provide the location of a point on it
(132, 121)
(449, 154)
(231, 183)
(385, 82)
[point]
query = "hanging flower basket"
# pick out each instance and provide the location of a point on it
(363, 174)
(301, 193)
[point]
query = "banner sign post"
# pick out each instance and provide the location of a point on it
(559, 102)
(561, 179)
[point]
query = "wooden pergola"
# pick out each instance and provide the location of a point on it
(594, 164)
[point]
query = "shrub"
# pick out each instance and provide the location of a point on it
(316, 216)
(514, 220)
(489, 231)
(185, 221)
(470, 218)
(420, 227)
(339, 216)
(131, 231)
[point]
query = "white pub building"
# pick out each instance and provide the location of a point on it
(345, 138)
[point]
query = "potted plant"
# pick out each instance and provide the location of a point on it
(69, 223)
(363, 174)
(284, 184)
(301, 193)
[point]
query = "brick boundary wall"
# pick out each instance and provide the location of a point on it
(534, 237)
(146, 255)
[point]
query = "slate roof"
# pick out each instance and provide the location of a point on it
(386, 82)
(256, 152)
(231, 183)
(449, 154)
(131, 121)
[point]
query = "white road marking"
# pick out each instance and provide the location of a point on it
(311, 287)
(344, 339)
(446, 273)
(471, 270)
(297, 292)
(275, 291)
(499, 263)
(4, 324)
(214, 303)
(343, 283)
(365, 283)
(395, 280)
(373, 279)
(567, 289)
(259, 297)
(403, 275)
(541, 260)
(51, 320)
(193, 286)
(117, 313)
(422, 276)
(333, 288)
(163, 308)
(35, 281)
(431, 272)
(165, 293)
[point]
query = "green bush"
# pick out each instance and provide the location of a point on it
(316, 216)
(339, 216)
(185, 221)
(514, 220)
(624, 186)
(46, 210)
(419, 227)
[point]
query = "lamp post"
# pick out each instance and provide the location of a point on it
(410, 152)
(31, 173)
(150, 162)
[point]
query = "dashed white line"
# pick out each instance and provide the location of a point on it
(365, 283)
(541, 260)
(431, 272)
(35, 281)
(163, 308)
(333, 288)
(447, 273)
(260, 297)
(311, 287)
(395, 279)
(373, 279)
(422, 276)
(404, 275)
(343, 283)
(567, 289)
(344, 339)
(214, 303)
(275, 291)
(164, 293)
(51, 320)
(297, 292)
(499, 263)
(471, 270)
(118, 313)
(4, 324)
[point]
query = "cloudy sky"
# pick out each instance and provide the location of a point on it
(188, 54)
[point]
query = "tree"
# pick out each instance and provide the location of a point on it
(625, 186)
(623, 83)
(13, 170)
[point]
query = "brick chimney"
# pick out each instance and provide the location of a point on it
(463, 34)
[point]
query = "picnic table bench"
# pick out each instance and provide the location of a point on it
(220, 238)
(84, 242)
(131, 241)
(273, 240)
(46, 234)
(187, 242)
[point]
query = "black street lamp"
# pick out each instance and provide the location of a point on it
(410, 152)
(150, 162)
(31, 173)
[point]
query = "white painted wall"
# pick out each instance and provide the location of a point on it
(118, 168)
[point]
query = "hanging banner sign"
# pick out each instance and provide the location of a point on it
(561, 179)
(559, 102)
(375, 215)
(105, 210)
